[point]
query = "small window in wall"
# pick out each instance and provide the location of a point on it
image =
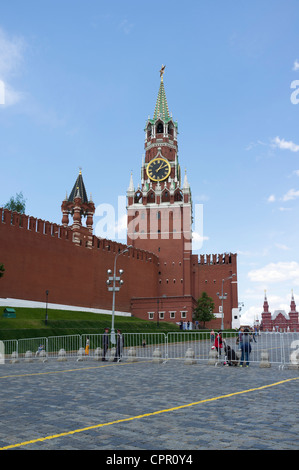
(161, 315)
(172, 315)
(165, 196)
(183, 314)
(150, 315)
(150, 198)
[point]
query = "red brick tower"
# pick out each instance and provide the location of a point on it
(78, 205)
(293, 315)
(160, 216)
(266, 316)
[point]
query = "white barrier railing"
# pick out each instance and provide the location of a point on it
(63, 346)
(268, 347)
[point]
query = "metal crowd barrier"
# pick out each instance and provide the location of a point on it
(273, 348)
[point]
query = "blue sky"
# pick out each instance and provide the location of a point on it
(81, 78)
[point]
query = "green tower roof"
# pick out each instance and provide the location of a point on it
(161, 109)
(78, 190)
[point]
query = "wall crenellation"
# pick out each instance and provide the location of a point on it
(213, 259)
(55, 231)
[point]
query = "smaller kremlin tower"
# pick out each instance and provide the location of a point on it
(78, 205)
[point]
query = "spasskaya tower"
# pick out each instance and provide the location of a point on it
(159, 216)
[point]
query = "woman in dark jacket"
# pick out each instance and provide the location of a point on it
(245, 347)
(218, 342)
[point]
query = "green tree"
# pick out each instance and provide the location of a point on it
(204, 310)
(17, 204)
(2, 269)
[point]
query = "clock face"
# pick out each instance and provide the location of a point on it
(158, 169)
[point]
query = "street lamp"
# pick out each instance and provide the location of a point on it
(114, 288)
(223, 297)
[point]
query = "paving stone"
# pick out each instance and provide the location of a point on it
(45, 399)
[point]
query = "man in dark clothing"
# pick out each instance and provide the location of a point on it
(105, 343)
(119, 347)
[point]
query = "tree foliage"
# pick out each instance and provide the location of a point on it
(204, 310)
(17, 203)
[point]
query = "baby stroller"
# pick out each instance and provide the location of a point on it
(230, 355)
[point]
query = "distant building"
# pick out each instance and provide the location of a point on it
(280, 320)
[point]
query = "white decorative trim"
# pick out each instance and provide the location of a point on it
(7, 302)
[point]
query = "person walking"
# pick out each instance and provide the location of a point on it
(119, 347)
(87, 347)
(240, 337)
(245, 348)
(212, 336)
(105, 343)
(218, 342)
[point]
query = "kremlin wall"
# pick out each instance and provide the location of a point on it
(40, 256)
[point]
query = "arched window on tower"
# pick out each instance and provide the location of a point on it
(165, 196)
(170, 129)
(160, 128)
(138, 196)
(151, 197)
(178, 196)
(149, 131)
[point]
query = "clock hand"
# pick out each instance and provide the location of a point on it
(161, 167)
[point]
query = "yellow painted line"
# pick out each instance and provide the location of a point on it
(154, 413)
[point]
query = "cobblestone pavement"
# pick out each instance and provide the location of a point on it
(138, 406)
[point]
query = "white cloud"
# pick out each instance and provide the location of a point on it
(284, 144)
(12, 96)
(255, 144)
(126, 26)
(11, 59)
(271, 198)
(276, 273)
(281, 246)
(290, 195)
(296, 172)
(249, 316)
(296, 65)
